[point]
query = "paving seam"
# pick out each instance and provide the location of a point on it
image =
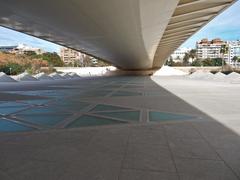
(205, 139)
(170, 150)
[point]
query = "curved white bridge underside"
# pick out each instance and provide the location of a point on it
(131, 34)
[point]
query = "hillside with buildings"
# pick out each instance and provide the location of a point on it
(20, 58)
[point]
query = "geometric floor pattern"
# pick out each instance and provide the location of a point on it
(68, 106)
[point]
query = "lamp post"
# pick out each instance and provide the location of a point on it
(10, 70)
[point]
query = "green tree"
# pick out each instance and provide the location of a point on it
(235, 59)
(186, 59)
(218, 62)
(207, 62)
(53, 59)
(193, 54)
(169, 61)
(31, 53)
(213, 62)
(197, 62)
(12, 68)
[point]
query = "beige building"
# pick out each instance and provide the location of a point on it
(71, 57)
(210, 49)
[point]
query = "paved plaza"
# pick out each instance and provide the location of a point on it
(120, 128)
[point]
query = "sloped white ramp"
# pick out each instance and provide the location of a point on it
(56, 76)
(25, 77)
(43, 77)
(6, 78)
(169, 71)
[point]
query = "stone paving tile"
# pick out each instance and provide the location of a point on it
(110, 140)
(212, 129)
(48, 138)
(148, 157)
(196, 169)
(77, 136)
(127, 174)
(15, 155)
(232, 157)
(192, 148)
(181, 130)
(147, 135)
(4, 176)
(94, 166)
(38, 170)
(218, 135)
(61, 153)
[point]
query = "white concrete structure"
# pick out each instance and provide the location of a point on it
(179, 54)
(131, 34)
(23, 48)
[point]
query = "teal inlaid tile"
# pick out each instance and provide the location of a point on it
(10, 110)
(87, 120)
(69, 105)
(127, 115)
(10, 126)
(126, 93)
(36, 101)
(33, 93)
(163, 116)
(44, 110)
(43, 119)
(95, 93)
(102, 107)
(11, 104)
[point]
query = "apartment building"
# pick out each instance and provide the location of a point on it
(71, 57)
(210, 49)
(234, 50)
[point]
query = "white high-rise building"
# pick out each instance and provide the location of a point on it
(234, 50)
(210, 49)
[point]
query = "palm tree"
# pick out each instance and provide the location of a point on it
(223, 50)
(193, 54)
(234, 59)
(186, 59)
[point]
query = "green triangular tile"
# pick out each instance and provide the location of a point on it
(10, 126)
(163, 116)
(87, 120)
(127, 115)
(44, 119)
(102, 107)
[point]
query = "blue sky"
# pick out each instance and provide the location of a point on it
(225, 26)
(10, 37)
